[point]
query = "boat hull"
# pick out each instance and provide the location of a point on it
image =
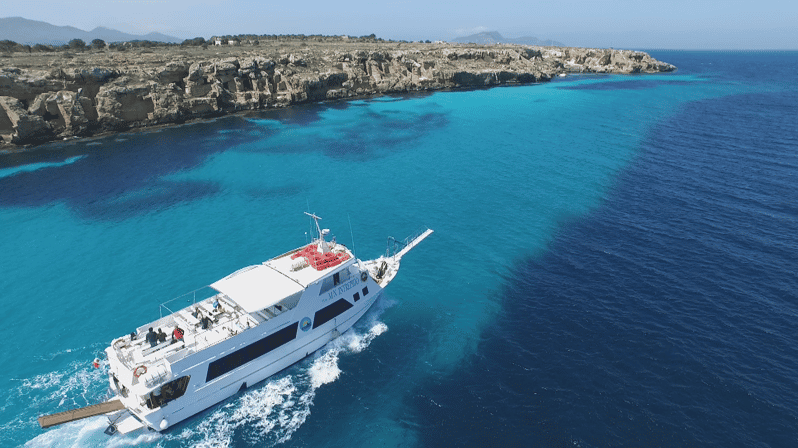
(203, 396)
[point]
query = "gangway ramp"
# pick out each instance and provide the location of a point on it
(46, 421)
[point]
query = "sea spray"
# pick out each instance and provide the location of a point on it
(272, 413)
(76, 386)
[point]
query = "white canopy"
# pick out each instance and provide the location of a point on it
(257, 287)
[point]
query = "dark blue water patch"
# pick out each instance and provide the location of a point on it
(158, 196)
(666, 318)
(299, 114)
(354, 399)
(773, 68)
(398, 97)
(382, 134)
(626, 84)
(89, 184)
(276, 192)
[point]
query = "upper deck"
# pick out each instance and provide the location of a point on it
(242, 300)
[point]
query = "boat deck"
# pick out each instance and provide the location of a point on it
(204, 325)
(222, 322)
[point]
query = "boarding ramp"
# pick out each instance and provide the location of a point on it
(46, 421)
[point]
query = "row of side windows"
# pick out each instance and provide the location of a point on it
(332, 311)
(255, 350)
(365, 293)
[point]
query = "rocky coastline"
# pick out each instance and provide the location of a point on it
(63, 95)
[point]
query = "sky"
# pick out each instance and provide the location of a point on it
(676, 24)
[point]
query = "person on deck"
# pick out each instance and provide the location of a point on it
(177, 335)
(161, 336)
(152, 338)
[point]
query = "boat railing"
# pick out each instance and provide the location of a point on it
(395, 246)
(177, 313)
(189, 298)
(229, 324)
(195, 339)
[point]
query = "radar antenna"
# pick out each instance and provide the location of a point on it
(322, 244)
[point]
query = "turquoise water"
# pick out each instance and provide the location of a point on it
(96, 235)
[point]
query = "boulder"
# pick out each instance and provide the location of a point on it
(23, 127)
(173, 72)
(167, 103)
(119, 106)
(75, 112)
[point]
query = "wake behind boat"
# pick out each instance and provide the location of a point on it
(238, 331)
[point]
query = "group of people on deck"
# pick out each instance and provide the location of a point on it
(206, 321)
(156, 338)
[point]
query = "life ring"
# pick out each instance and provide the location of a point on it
(364, 275)
(140, 370)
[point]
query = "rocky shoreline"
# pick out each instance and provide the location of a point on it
(62, 95)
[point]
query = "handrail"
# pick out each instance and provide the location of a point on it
(395, 246)
(193, 300)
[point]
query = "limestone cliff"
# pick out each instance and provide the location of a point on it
(64, 95)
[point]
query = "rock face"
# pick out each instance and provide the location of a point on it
(79, 99)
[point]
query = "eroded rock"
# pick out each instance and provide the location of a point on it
(67, 99)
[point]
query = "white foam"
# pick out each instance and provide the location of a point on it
(265, 414)
(273, 412)
(324, 369)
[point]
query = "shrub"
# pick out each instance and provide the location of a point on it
(43, 48)
(77, 44)
(195, 42)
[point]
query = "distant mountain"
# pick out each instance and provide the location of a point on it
(30, 32)
(492, 37)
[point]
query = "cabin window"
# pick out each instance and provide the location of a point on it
(326, 285)
(169, 391)
(356, 296)
(334, 280)
(365, 291)
(330, 312)
(255, 350)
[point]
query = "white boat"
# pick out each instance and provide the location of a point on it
(250, 325)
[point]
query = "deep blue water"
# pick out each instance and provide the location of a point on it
(614, 262)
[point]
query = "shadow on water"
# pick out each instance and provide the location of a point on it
(665, 318)
(285, 191)
(381, 134)
(121, 177)
(368, 134)
(625, 84)
(300, 114)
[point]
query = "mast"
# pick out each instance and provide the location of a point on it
(322, 243)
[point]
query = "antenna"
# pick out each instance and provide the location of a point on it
(310, 226)
(317, 219)
(351, 234)
(322, 244)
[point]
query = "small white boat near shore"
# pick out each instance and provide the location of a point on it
(237, 332)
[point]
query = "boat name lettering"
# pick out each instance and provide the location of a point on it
(343, 288)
